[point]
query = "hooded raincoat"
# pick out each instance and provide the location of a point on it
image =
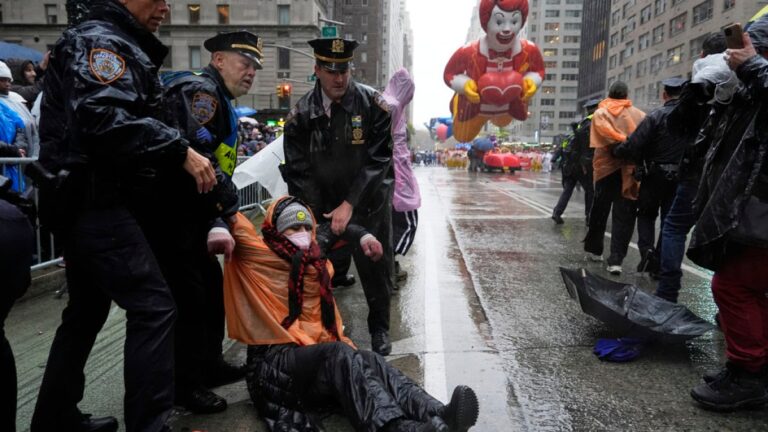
(614, 120)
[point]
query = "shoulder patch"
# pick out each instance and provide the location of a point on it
(203, 107)
(105, 65)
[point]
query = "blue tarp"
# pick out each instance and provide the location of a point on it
(244, 111)
(15, 51)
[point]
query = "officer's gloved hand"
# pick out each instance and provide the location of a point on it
(371, 247)
(220, 241)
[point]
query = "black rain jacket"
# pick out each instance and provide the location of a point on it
(325, 166)
(653, 141)
(577, 160)
(734, 165)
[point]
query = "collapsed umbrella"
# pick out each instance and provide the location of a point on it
(630, 310)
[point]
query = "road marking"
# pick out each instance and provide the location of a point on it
(434, 357)
(497, 217)
(693, 270)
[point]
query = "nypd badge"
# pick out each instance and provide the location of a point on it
(203, 107)
(337, 46)
(105, 65)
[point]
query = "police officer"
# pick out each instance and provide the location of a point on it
(338, 152)
(199, 106)
(657, 152)
(102, 136)
(577, 165)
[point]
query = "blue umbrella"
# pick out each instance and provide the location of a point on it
(244, 111)
(483, 144)
(15, 51)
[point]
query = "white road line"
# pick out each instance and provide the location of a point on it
(434, 358)
(497, 217)
(693, 270)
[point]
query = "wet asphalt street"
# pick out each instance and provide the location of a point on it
(483, 305)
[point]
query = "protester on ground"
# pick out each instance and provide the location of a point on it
(338, 152)
(102, 136)
(731, 233)
(279, 302)
(616, 189)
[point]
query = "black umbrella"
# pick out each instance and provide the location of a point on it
(630, 310)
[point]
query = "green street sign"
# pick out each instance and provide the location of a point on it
(311, 78)
(330, 32)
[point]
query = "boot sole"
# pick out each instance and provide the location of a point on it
(746, 404)
(468, 408)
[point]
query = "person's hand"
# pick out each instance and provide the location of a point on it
(371, 247)
(22, 152)
(737, 57)
(340, 217)
(470, 91)
(220, 241)
(529, 88)
(44, 62)
(199, 167)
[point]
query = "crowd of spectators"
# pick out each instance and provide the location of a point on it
(254, 136)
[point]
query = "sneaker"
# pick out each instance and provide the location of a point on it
(594, 258)
(731, 390)
(558, 219)
(614, 270)
(461, 413)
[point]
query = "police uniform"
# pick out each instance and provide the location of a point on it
(336, 152)
(657, 152)
(198, 104)
(101, 132)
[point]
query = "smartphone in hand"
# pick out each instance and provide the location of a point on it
(734, 36)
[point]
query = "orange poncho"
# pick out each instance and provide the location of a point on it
(256, 295)
(613, 121)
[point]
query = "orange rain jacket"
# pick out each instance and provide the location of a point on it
(613, 121)
(256, 294)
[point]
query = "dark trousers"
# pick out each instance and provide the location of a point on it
(197, 284)
(109, 259)
(404, 226)
(740, 289)
(679, 221)
(656, 195)
(569, 183)
(16, 248)
(376, 277)
(608, 199)
(370, 392)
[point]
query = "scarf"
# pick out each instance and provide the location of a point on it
(299, 260)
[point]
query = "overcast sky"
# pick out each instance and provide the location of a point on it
(439, 29)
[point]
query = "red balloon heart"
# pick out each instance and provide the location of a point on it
(500, 88)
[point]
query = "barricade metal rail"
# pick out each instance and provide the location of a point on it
(251, 197)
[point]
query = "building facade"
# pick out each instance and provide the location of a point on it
(284, 25)
(651, 40)
(593, 54)
(364, 21)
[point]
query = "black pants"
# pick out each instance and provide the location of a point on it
(376, 277)
(197, 284)
(608, 199)
(369, 391)
(656, 194)
(16, 248)
(569, 183)
(404, 226)
(109, 259)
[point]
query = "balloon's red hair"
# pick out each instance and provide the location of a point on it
(486, 6)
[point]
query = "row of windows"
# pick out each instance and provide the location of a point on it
(551, 64)
(551, 52)
(554, 39)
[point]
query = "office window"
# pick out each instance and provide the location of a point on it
(658, 34)
(552, 26)
(553, 2)
(168, 60)
(570, 64)
(571, 39)
(568, 89)
(223, 11)
(551, 39)
(552, 13)
(569, 77)
(550, 52)
(570, 51)
(614, 39)
(550, 64)
(51, 14)
(696, 45)
(283, 14)
(677, 2)
(549, 102)
(195, 61)
(573, 13)
(364, 20)
(363, 57)
(659, 6)
(612, 61)
(194, 13)
(728, 4)
(677, 24)
(642, 68)
(364, 38)
(283, 58)
(615, 18)
(365, 2)
(656, 63)
(548, 90)
(644, 41)
(645, 14)
(675, 55)
(348, 2)
(566, 115)
(550, 77)
(702, 12)
(573, 26)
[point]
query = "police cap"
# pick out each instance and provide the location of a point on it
(242, 42)
(591, 103)
(334, 54)
(675, 83)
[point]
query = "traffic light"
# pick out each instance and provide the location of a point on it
(280, 91)
(286, 90)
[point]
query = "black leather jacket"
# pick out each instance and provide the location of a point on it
(198, 106)
(102, 105)
(653, 141)
(328, 161)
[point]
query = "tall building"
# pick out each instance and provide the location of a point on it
(364, 21)
(555, 27)
(593, 58)
(285, 27)
(651, 40)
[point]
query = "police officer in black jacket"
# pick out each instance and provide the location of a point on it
(199, 106)
(338, 152)
(102, 136)
(657, 152)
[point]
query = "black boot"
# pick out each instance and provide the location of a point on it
(461, 413)
(343, 280)
(731, 389)
(222, 373)
(201, 401)
(380, 342)
(96, 424)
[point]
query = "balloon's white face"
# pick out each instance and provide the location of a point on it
(503, 27)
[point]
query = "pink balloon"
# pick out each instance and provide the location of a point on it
(442, 132)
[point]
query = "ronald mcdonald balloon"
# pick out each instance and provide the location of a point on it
(495, 76)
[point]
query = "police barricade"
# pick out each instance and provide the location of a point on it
(252, 197)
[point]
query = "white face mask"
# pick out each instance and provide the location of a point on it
(301, 239)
